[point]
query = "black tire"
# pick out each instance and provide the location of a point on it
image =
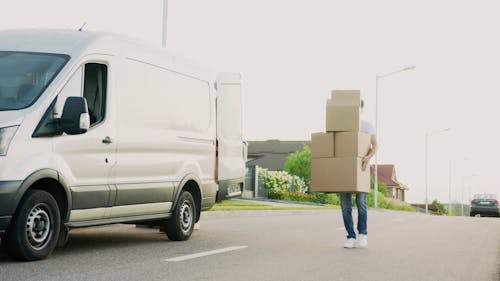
(472, 214)
(34, 229)
(63, 236)
(180, 226)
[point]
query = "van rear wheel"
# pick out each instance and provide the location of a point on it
(34, 229)
(180, 226)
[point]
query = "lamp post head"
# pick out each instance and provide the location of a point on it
(427, 134)
(410, 67)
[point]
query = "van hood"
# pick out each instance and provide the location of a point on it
(11, 118)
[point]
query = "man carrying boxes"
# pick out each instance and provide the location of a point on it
(340, 158)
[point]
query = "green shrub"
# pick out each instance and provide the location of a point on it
(382, 201)
(281, 181)
(440, 207)
(299, 164)
(381, 186)
(327, 198)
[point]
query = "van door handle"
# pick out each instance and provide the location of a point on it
(107, 140)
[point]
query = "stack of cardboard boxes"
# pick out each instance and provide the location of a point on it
(337, 154)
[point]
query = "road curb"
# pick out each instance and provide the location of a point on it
(260, 213)
(281, 202)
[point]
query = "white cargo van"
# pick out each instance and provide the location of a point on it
(99, 129)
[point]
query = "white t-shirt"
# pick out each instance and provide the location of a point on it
(367, 127)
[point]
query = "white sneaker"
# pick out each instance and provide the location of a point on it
(349, 244)
(362, 241)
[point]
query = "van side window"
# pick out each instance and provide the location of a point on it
(94, 91)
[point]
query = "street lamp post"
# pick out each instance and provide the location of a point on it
(449, 188)
(164, 26)
(426, 165)
(411, 67)
(463, 189)
(462, 197)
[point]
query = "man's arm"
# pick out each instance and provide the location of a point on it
(371, 152)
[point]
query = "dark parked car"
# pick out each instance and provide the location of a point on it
(484, 205)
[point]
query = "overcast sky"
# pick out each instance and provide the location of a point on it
(292, 53)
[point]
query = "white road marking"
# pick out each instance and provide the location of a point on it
(340, 228)
(203, 254)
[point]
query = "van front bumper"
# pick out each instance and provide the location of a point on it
(8, 202)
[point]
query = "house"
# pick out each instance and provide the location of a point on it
(272, 154)
(387, 175)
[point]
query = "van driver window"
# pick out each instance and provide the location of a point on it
(94, 90)
(73, 88)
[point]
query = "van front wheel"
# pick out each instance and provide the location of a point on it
(180, 226)
(34, 229)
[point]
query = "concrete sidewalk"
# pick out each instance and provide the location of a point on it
(271, 202)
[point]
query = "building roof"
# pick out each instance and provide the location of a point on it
(387, 175)
(272, 154)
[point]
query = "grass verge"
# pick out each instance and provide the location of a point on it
(231, 205)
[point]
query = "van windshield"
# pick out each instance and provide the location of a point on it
(24, 76)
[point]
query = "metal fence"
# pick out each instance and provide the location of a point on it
(253, 187)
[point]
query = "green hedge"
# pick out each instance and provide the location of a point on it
(292, 196)
(314, 197)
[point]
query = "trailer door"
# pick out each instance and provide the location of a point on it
(231, 147)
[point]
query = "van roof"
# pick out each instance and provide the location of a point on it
(48, 40)
(79, 43)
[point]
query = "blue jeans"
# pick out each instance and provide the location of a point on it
(346, 204)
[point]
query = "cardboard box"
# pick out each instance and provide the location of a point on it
(351, 144)
(341, 118)
(337, 175)
(322, 145)
(346, 97)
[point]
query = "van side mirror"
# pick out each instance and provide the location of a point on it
(75, 118)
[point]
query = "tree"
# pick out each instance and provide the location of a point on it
(299, 164)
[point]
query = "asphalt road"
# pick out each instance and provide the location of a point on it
(278, 245)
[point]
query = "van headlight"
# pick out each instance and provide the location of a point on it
(6, 135)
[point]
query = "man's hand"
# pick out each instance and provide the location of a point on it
(364, 163)
(373, 149)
